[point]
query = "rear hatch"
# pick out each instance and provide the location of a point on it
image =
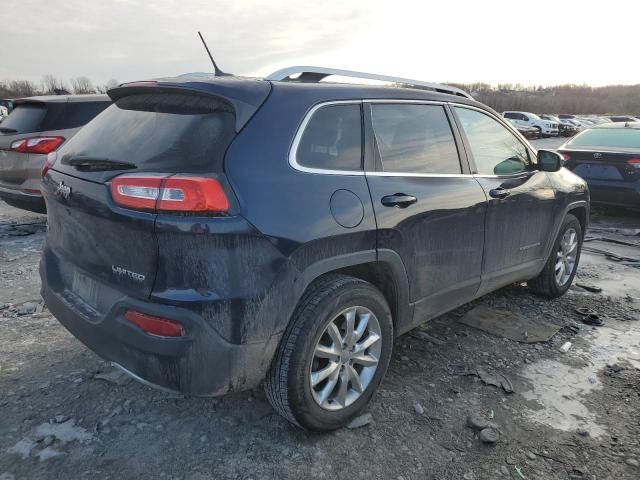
(35, 128)
(622, 166)
(110, 181)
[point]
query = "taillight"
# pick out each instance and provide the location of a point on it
(48, 163)
(153, 325)
(634, 162)
(169, 194)
(41, 145)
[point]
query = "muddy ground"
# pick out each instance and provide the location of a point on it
(65, 414)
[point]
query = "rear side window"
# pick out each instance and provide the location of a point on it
(158, 132)
(25, 118)
(332, 140)
(61, 116)
(414, 139)
(496, 151)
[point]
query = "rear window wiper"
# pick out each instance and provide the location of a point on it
(8, 130)
(86, 164)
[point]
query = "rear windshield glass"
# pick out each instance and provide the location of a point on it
(158, 132)
(25, 118)
(61, 116)
(608, 137)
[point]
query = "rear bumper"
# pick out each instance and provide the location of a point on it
(612, 192)
(199, 363)
(26, 201)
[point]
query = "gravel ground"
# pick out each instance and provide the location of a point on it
(65, 414)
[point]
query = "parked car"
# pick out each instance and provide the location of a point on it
(564, 129)
(7, 103)
(608, 158)
(4, 113)
(624, 118)
(570, 128)
(208, 234)
(526, 131)
(36, 127)
(566, 116)
(546, 127)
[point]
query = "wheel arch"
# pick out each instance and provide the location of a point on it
(383, 269)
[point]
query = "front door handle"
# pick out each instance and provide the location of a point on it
(398, 200)
(499, 192)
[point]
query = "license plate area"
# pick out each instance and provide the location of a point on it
(85, 288)
(599, 172)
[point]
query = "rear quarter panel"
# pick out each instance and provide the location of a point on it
(291, 208)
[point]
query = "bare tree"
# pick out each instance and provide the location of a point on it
(110, 84)
(51, 85)
(82, 85)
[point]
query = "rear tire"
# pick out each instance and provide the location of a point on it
(311, 347)
(562, 264)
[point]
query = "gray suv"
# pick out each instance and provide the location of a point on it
(35, 128)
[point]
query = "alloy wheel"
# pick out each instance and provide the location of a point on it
(346, 358)
(566, 256)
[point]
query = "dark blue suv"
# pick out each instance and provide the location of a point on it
(206, 235)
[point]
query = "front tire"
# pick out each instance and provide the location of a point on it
(562, 264)
(333, 355)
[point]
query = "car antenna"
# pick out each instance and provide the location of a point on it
(216, 70)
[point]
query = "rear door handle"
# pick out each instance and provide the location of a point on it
(499, 192)
(398, 200)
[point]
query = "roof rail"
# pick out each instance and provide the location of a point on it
(315, 74)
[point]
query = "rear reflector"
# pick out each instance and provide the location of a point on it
(158, 326)
(169, 194)
(42, 145)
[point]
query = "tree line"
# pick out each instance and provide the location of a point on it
(577, 99)
(51, 85)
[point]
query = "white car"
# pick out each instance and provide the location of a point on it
(4, 113)
(547, 128)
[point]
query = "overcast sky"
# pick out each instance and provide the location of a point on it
(529, 42)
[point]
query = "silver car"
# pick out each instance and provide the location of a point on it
(35, 128)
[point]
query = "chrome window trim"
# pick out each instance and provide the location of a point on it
(305, 121)
(293, 151)
(428, 175)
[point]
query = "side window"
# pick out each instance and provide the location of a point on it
(414, 139)
(525, 118)
(495, 149)
(332, 140)
(511, 115)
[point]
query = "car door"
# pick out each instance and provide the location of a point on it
(428, 208)
(521, 199)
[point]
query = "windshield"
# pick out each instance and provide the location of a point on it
(157, 132)
(25, 118)
(608, 137)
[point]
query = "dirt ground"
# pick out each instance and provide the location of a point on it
(66, 414)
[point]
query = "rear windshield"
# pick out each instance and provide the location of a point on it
(158, 132)
(25, 118)
(62, 116)
(608, 137)
(43, 117)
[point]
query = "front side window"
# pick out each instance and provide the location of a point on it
(495, 149)
(414, 139)
(332, 140)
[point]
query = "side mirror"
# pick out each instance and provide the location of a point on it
(549, 161)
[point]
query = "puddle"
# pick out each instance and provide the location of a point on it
(559, 387)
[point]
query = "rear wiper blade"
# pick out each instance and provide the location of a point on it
(8, 130)
(86, 164)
